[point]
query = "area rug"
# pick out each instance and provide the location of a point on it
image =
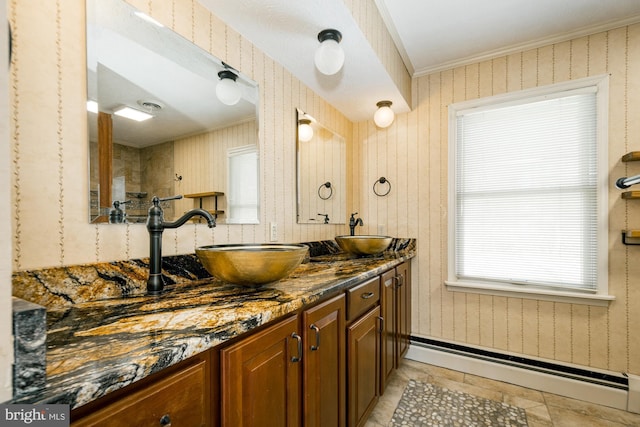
(424, 404)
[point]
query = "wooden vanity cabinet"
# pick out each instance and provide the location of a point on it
(324, 364)
(363, 350)
(396, 313)
(403, 304)
(179, 396)
(261, 378)
(290, 374)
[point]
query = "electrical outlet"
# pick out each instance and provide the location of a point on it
(381, 229)
(273, 227)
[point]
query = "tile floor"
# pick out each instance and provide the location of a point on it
(543, 409)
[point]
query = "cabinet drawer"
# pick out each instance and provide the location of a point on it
(179, 399)
(362, 297)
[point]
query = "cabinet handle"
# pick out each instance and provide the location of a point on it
(317, 346)
(367, 295)
(381, 319)
(165, 420)
(298, 338)
(399, 280)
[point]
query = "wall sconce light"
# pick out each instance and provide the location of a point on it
(305, 131)
(384, 115)
(329, 57)
(227, 90)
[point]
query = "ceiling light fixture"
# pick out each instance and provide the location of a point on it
(227, 90)
(329, 57)
(92, 106)
(305, 131)
(132, 114)
(384, 115)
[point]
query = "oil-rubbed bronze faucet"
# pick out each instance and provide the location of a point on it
(156, 225)
(353, 222)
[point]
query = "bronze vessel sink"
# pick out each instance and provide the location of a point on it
(364, 244)
(251, 264)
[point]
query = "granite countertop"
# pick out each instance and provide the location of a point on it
(95, 347)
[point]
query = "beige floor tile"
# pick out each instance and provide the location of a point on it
(593, 410)
(521, 402)
(566, 418)
(534, 423)
(543, 409)
(510, 389)
(538, 415)
(432, 370)
(468, 388)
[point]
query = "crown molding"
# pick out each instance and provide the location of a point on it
(521, 47)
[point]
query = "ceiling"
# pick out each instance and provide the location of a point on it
(430, 35)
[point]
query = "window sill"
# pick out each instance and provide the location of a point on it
(530, 293)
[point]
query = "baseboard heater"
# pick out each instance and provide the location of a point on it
(620, 382)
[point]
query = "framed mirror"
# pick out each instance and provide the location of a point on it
(321, 166)
(197, 134)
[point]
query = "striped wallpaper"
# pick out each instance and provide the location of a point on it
(50, 175)
(412, 154)
(50, 151)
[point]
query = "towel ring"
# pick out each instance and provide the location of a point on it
(326, 185)
(382, 180)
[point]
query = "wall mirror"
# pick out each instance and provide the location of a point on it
(322, 166)
(200, 138)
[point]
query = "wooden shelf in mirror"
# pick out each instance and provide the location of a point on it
(631, 234)
(200, 196)
(633, 156)
(205, 194)
(631, 195)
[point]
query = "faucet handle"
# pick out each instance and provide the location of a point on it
(156, 200)
(176, 197)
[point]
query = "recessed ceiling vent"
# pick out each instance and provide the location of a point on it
(151, 106)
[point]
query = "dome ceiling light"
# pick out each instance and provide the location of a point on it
(227, 89)
(329, 57)
(384, 116)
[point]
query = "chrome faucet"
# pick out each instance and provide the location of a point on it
(353, 222)
(156, 225)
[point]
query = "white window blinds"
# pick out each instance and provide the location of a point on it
(526, 192)
(243, 198)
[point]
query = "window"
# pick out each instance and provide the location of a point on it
(528, 192)
(243, 201)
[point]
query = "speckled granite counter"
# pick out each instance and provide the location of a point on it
(100, 345)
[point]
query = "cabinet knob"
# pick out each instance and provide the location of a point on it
(367, 295)
(165, 420)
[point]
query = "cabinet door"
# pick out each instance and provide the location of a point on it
(363, 364)
(261, 378)
(180, 398)
(324, 364)
(388, 306)
(403, 309)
